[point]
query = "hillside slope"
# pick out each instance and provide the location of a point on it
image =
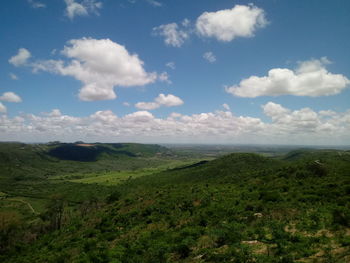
(47, 159)
(239, 208)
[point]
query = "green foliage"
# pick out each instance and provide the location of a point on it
(238, 208)
(113, 197)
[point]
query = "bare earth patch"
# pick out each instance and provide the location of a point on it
(85, 145)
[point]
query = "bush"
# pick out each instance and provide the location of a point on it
(113, 197)
(272, 196)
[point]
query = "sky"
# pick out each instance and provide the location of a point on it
(157, 71)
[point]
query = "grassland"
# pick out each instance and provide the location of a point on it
(118, 177)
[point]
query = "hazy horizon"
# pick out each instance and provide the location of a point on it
(189, 144)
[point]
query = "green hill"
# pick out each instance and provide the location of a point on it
(238, 208)
(53, 158)
(94, 152)
(16, 153)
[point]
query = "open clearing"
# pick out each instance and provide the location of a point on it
(117, 177)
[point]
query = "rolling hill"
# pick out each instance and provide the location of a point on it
(241, 207)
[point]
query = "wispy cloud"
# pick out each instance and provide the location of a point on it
(170, 65)
(13, 76)
(174, 35)
(154, 3)
(36, 4)
(82, 8)
(209, 56)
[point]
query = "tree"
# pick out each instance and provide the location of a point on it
(54, 213)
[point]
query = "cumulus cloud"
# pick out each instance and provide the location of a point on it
(286, 126)
(224, 25)
(2, 108)
(168, 100)
(21, 58)
(139, 116)
(162, 100)
(209, 56)
(173, 34)
(55, 113)
(36, 4)
(228, 24)
(310, 78)
(303, 121)
(327, 113)
(83, 8)
(100, 65)
(275, 111)
(10, 97)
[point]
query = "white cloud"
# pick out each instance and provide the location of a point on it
(100, 65)
(154, 3)
(126, 104)
(311, 78)
(151, 2)
(162, 100)
(10, 97)
(173, 35)
(186, 22)
(55, 113)
(36, 4)
(139, 116)
(105, 117)
(164, 77)
(293, 122)
(84, 8)
(170, 65)
(224, 25)
(301, 126)
(147, 105)
(274, 111)
(21, 58)
(168, 100)
(174, 115)
(326, 113)
(13, 76)
(226, 107)
(209, 56)
(228, 24)
(2, 108)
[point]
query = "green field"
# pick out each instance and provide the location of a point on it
(118, 177)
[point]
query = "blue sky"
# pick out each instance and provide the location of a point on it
(201, 71)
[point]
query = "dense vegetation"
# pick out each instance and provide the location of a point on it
(241, 207)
